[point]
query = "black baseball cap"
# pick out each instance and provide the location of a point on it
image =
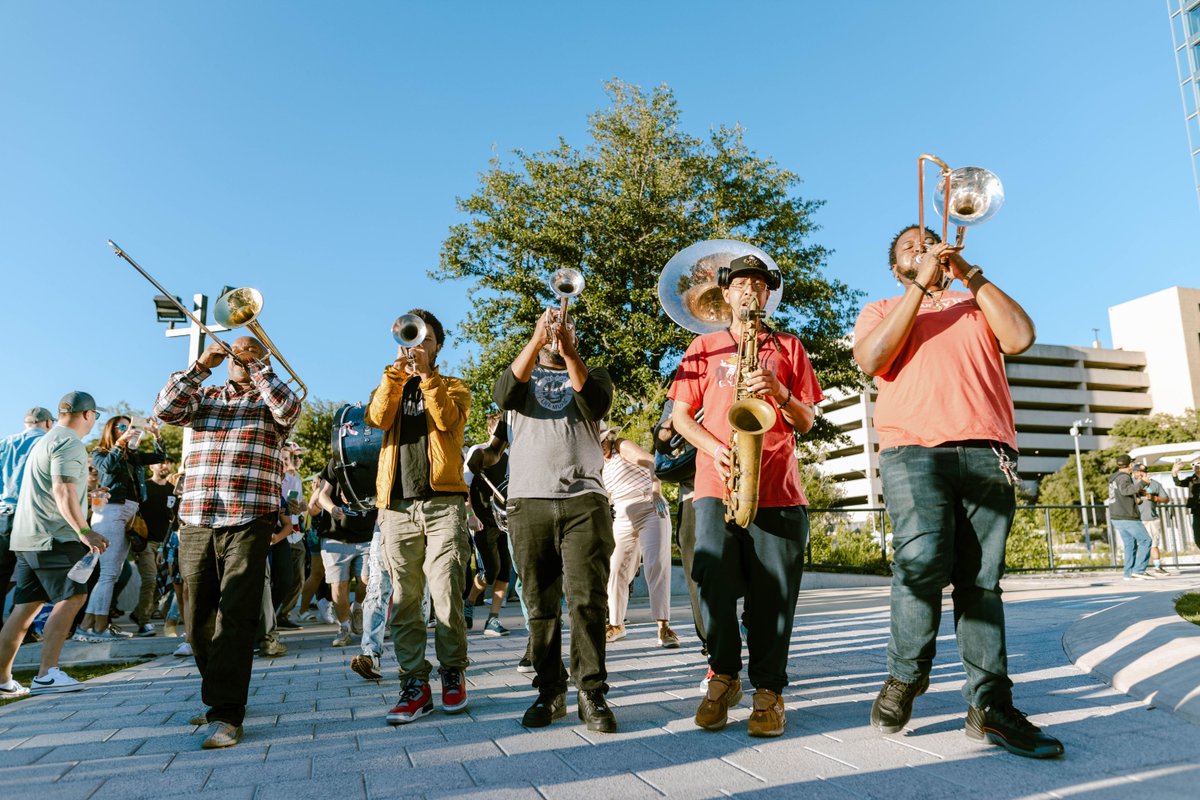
(76, 403)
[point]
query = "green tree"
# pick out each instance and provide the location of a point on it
(617, 209)
(313, 432)
(1156, 429)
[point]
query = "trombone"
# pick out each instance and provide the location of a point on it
(409, 331)
(965, 196)
(565, 283)
(236, 309)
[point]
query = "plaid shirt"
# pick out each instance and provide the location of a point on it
(233, 471)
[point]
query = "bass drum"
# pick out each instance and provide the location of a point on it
(356, 448)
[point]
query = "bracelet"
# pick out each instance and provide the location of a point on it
(789, 399)
(971, 273)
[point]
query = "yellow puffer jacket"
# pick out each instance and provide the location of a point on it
(447, 403)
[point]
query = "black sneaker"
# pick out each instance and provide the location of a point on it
(594, 710)
(548, 707)
(1009, 728)
(892, 708)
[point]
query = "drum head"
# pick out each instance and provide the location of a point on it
(356, 448)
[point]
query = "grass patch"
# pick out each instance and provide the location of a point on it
(83, 673)
(1188, 606)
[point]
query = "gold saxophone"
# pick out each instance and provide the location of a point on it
(750, 418)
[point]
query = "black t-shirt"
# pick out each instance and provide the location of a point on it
(159, 509)
(412, 454)
(357, 526)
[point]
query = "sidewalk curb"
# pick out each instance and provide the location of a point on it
(1143, 648)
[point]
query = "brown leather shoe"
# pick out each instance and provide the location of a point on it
(723, 691)
(767, 718)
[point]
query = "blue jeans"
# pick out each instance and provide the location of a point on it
(763, 564)
(375, 605)
(1137, 544)
(951, 510)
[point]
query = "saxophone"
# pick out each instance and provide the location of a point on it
(750, 418)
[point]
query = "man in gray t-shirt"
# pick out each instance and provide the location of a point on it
(560, 523)
(1152, 495)
(50, 534)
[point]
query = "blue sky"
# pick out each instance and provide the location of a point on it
(315, 150)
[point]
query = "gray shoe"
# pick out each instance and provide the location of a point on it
(199, 719)
(272, 648)
(222, 734)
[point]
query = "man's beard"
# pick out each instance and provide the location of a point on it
(551, 359)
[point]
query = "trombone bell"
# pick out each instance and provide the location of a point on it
(238, 308)
(975, 196)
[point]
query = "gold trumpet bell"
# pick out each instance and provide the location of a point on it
(238, 308)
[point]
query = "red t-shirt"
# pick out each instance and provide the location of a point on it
(706, 378)
(947, 383)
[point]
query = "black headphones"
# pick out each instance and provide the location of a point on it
(749, 262)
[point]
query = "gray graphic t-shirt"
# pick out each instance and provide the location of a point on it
(555, 432)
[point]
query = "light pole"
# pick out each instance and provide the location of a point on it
(1087, 534)
(168, 311)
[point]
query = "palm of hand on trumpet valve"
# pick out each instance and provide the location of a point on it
(556, 332)
(417, 360)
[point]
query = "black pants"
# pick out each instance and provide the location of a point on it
(764, 564)
(685, 537)
(563, 546)
(224, 569)
(8, 561)
(283, 573)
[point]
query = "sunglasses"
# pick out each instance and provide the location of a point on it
(122, 428)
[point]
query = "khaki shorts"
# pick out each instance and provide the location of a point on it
(1154, 527)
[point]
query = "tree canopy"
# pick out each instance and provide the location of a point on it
(617, 209)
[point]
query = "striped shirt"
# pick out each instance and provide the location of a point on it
(625, 481)
(233, 471)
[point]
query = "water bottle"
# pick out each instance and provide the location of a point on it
(82, 571)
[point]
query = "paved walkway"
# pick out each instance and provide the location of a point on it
(317, 730)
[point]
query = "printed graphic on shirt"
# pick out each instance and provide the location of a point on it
(413, 404)
(552, 389)
(727, 370)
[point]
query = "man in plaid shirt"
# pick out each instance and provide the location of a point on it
(233, 474)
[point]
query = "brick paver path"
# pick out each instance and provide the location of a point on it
(317, 730)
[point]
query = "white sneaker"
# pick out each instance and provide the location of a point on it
(184, 650)
(55, 680)
(308, 616)
(1142, 576)
(356, 619)
(344, 637)
(117, 633)
(108, 636)
(325, 612)
(12, 689)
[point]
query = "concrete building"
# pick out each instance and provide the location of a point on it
(1185, 36)
(1166, 327)
(1153, 368)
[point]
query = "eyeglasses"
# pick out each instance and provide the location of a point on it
(122, 428)
(751, 284)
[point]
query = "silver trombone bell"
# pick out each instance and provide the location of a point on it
(976, 194)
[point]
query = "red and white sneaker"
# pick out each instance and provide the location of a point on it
(416, 700)
(454, 690)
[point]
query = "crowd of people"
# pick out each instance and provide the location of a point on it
(555, 503)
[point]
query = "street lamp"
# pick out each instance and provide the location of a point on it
(168, 311)
(1087, 534)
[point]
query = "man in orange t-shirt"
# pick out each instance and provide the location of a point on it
(947, 445)
(764, 561)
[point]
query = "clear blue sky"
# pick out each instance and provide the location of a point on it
(315, 150)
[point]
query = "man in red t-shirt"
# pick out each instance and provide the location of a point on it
(764, 561)
(947, 449)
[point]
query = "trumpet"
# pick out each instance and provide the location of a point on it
(565, 283)
(236, 309)
(965, 196)
(409, 331)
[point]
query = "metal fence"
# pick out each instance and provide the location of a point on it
(1044, 537)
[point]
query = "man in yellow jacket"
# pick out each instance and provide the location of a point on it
(422, 517)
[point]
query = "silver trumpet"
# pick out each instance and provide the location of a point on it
(409, 331)
(565, 283)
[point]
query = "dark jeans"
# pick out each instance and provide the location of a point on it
(951, 510)
(1196, 526)
(685, 537)
(564, 545)
(764, 564)
(225, 569)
